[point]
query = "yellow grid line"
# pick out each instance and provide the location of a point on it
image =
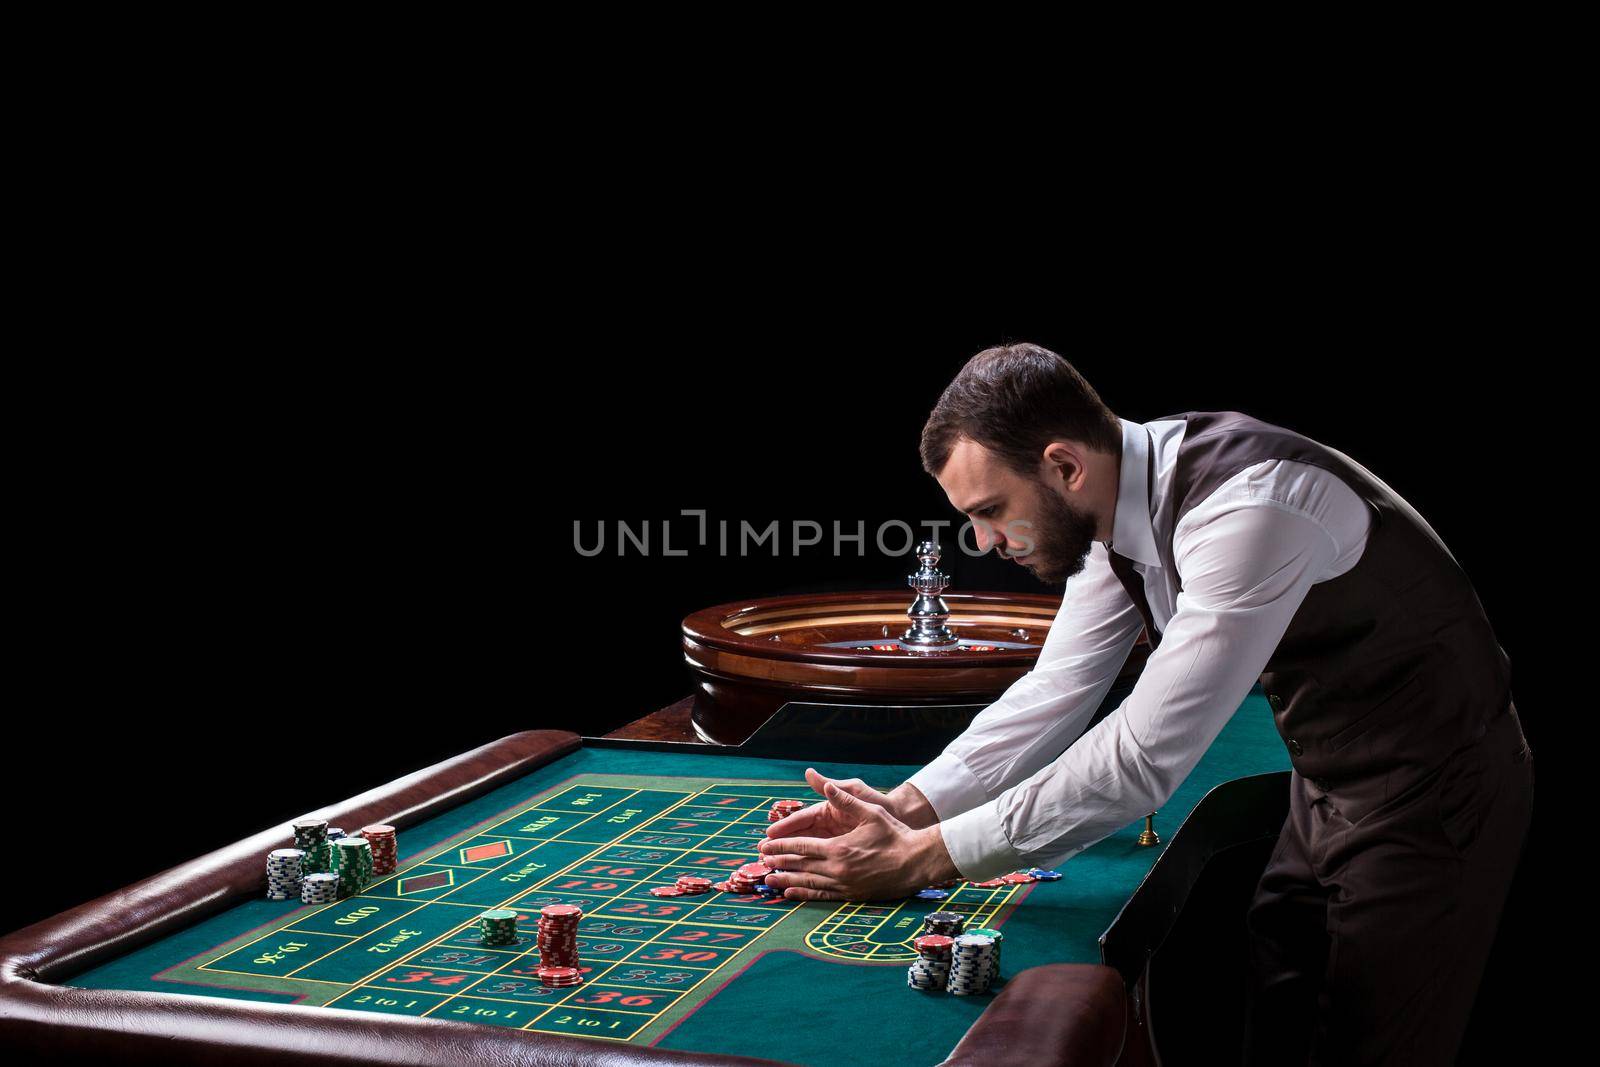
(523, 891)
(520, 891)
(699, 972)
(983, 910)
(414, 868)
(668, 924)
(608, 900)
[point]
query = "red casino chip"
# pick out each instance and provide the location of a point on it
(1018, 877)
(559, 977)
(561, 911)
(783, 809)
(745, 879)
(384, 845)
(666, 891)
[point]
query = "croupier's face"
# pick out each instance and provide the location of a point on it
(1029, 520)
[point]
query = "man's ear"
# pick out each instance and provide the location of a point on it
(1064, 464)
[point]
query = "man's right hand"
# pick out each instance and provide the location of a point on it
(906, 803)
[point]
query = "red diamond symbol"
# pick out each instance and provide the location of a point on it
(418, 883)
(493, 850)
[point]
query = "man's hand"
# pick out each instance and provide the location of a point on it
(871, 856)
(905, 802)
(820, 820)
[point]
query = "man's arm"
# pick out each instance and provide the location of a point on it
(1043, 711)
(1245, 573)
(1026, 727)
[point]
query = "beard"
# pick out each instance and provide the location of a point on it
(1062, 537)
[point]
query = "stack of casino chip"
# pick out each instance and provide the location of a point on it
(971, 965)
(693, 885)
(283, 873)
(353, 864)
(334, 836)
(560, 977)
(944, 923)
(311, 838)
(994, 957)
(558, 945)
(782, 809)
(931, 970)
(748, 879)
(498, 926)
(385, 847)
(320, 887)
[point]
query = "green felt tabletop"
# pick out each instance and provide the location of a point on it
(711, 973)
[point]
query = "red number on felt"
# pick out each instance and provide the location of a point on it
(427, 976)
(680, 954)
(607, 996)
(701, 935)
(411, 976)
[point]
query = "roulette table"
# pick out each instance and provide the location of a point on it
(195, 965)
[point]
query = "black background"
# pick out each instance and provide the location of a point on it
(341, 548)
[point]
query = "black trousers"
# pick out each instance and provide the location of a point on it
(1369, 933)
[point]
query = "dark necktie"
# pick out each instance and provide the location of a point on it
(1122, 567)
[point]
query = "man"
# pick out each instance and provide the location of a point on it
(1248, 552)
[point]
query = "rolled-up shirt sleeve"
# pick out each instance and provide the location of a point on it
(1244, 574)
(1045, 709)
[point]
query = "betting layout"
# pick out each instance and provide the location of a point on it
(599, 849)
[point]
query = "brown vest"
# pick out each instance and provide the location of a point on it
(1384, 670)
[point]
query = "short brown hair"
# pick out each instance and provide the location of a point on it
(1014, 400)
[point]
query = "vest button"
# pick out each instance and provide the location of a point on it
(1275, 701)
(1294, 748)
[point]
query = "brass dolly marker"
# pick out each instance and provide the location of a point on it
(1148, 835)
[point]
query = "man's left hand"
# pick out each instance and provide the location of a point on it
(878, 858)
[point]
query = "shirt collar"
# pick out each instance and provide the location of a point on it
(1132, 534)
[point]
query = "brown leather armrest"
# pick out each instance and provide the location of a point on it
(38, 1019)
(1064, 1013)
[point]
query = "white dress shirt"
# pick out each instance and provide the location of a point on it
(1009, 792)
